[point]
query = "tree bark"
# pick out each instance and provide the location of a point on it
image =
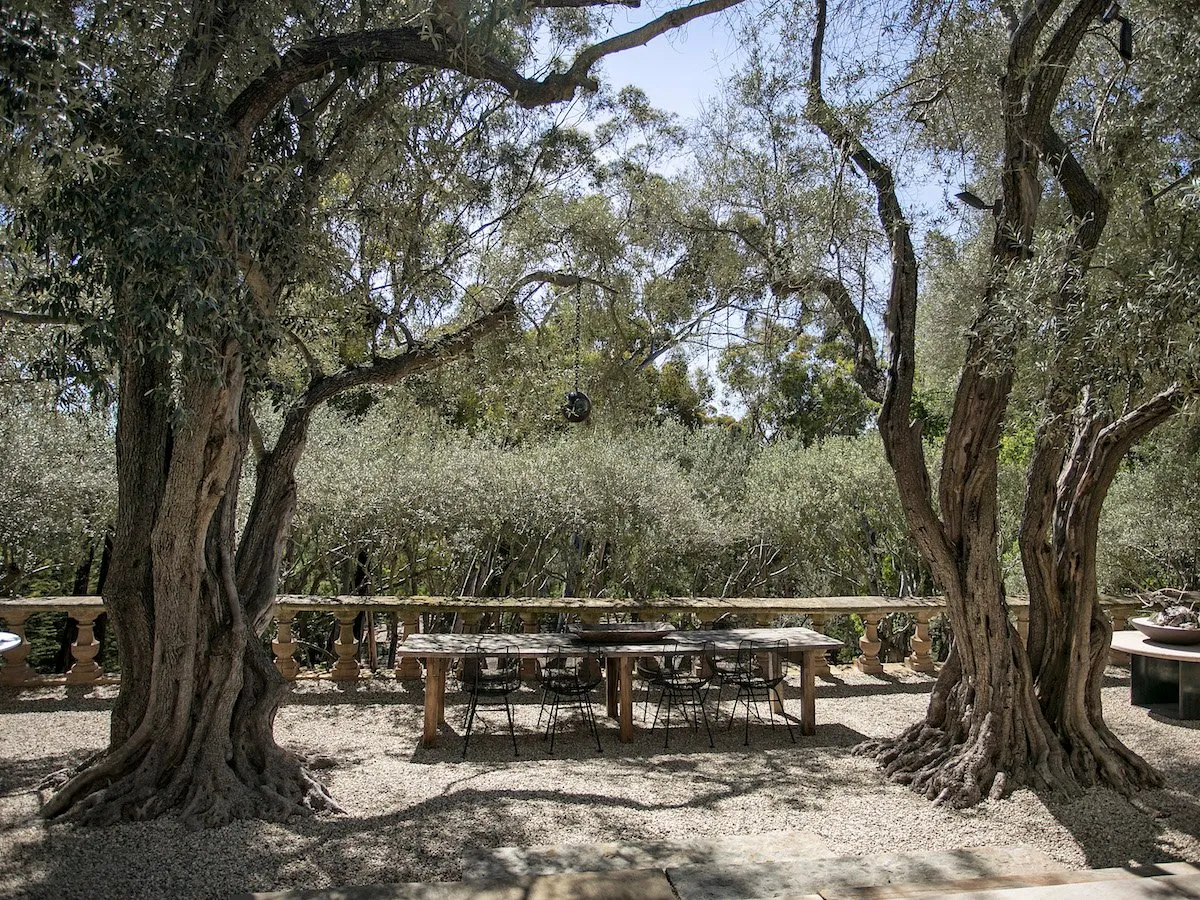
(192, 730)
(1069, 633)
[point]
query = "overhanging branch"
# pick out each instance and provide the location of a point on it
(420, 356)
(412, 45)
(24, 318)
(866, 367)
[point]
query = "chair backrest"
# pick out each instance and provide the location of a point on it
(763, 658)
(495, 660)
(672, 659)
(583, 669)
(682, 658)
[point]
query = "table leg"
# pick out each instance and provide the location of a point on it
(808, 697)
(435, 699)
(1153, 681)
(625, 704)
(611, 689)
(1189, 690)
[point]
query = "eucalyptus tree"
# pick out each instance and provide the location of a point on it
(164, 171)
(1093, 316)
(656, 289)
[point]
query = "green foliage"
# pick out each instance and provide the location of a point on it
(662, 510)
(794, 384)
(1150, 532)
(59, 495)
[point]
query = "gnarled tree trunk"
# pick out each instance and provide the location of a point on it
(192, 731)
(1069, 634)
(985, 731)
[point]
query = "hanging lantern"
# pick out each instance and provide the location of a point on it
(577, 406)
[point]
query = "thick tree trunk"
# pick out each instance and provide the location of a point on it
(198, 692)
(984, 733)
(1069, 633)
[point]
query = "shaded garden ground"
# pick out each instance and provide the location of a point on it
(410, 812)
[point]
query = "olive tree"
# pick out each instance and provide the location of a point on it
(164, 165)
(1067, 302)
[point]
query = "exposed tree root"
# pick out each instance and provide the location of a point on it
(205, 798)
(963, 752)
(220, 765)
(960, 753)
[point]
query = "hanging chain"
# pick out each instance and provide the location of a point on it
(577, 338)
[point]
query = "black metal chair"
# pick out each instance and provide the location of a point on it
(493, 670)
(684, 675)
(759, 669)
(570, 680)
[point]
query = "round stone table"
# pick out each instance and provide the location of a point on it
(1164, 677)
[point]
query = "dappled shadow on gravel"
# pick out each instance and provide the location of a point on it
(422, 839)
(647, 745)
(19, 776)
(419, 840)
(412, 813)
(833, 687)
(357, 693)
(1152, 826)
(80, 702)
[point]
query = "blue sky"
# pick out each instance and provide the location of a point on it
(678, 70)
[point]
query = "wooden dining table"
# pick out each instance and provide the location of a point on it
(437, 650)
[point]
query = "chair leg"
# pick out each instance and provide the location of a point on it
(591, 714)
(749, 702)
(783, 715)
(704, 716)
(541, 709)
(667, 724)
(737, 698)
(512, 728)
(470, 721)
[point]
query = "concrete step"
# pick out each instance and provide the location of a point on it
(490, 865)
(828, 875)
(1000, 882)
(625, 885)
(1160, 887)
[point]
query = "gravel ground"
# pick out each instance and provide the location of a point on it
(409, 813)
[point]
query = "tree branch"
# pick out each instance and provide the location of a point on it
(24, 318)
(866, 367)
(901, 436)
(414, 46)
(421, 356)
(1046, 82)
(1088, 203)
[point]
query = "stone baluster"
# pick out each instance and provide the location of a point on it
(285, 645)
(821, 660)
(346, 668)
(1022, 617)
(920, 660)
(85, 669)
(16, 670)
(868, 662)
(1120, 622)
(408, 666)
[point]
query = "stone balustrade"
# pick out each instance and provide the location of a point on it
(85, 669)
